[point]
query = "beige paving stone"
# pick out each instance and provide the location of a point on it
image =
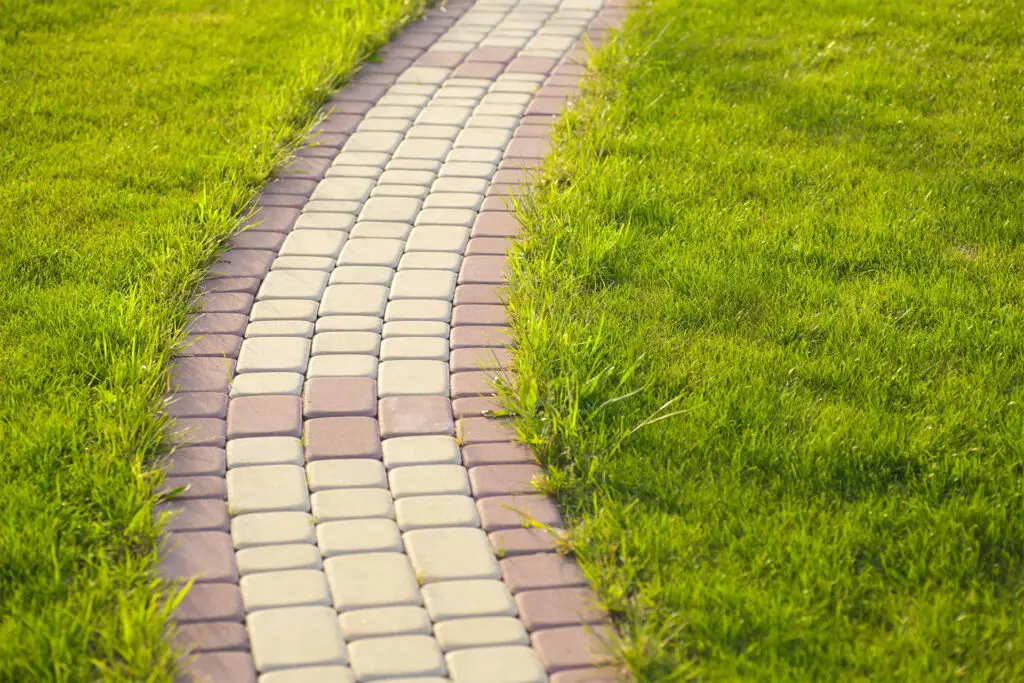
(354, 323)
(407, 451)
(453, 200)
(450, 554)
(473, 185)
(346, 473)
(275, 558)
(343, 189)
(366, 343)
(375, 659)
(272, 528)
(447, 600)
(420, 178)
(314, 243)
(499, 664)
(267, 488)
(320, 263)
(264, 450)
(381, 124)
(507, 122)
(293, 284)
(423, 148)
(339, 504)
(384, 621)
(460, 634)
(371, 252)
(444, 115)
(467, 169)
(414, 164)
(351, 158)
(477, 155)
(415, 328)
(331, 206)
(267, 590)
(431, 131)
(354, 171)
(412, 378)
(429, 480)
(273, 354)
(354, 299)
(429, 512)
(295, 636)
(461, 217)
(402, 112)
(424, 74)
(372, 142)
(400, 209)
(490, 138)
(279, 328)
(400, 191)
(362, 275)
(381, 230)
(284, 309)
(343, 365)
(431, 260)
(412, 348)
(419, 284)
(310, 674)
(438, 238)
(369, 580)
(378, 535)
(326, 221)
(267, 383)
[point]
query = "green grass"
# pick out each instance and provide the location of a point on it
(770, 312)
(131, 134)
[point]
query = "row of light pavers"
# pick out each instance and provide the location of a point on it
(378, 488)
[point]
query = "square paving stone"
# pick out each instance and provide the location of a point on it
(415, 415)
(366, 343)
(267, 488)
(422, 284)
(207, 602)
(558, 607)
(279, 328)
(295, 636)
(476, 155)
(467, 169)
(354, 299)
(376, 535)
(396, 656)
(430, 512)
(314, 243)
(499, 664)
(267, 383)
(338, 504)
(325, 221)
(310, 674)
(471, 185)
(278, 558)
(250, 416)
(415, 328)
(511, 512)
(343, 365)
(201, 374)
(460, 634)
(340, 396)
(320, 263)
(400, 191)
(384, 621)
(284, 309)
(412, 378)
(372, 142)
(423, 148)
(272, 528)
(434, 216)
(371, 252)
(368, 580)
(451, 554)
(264, 450)
(430, 260)
(381, 230)
(342, 437)
(504, 480)
(420, 178)
(353, 189)
(380, 124)
(400, 209)
(428, 131)
(429, 480)
(273, 354)
(363, 275)
(571, 647)
(413, 348)
(268, 590)
(447, 600)
(346, 473)
(205, 555)
(345, 323)
(421, 450)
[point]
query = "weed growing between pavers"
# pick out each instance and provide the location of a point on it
(769, 316)
(132, 134)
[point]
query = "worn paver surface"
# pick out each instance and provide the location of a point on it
(351, 511)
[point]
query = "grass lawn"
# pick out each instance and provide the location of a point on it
(770, 311)
(131, 133)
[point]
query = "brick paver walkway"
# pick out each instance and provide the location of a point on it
(351, 514)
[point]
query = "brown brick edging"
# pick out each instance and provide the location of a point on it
(553, 601)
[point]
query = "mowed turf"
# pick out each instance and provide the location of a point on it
(130, 136)
(770, 313)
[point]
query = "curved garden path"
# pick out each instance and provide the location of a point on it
(350, 513)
